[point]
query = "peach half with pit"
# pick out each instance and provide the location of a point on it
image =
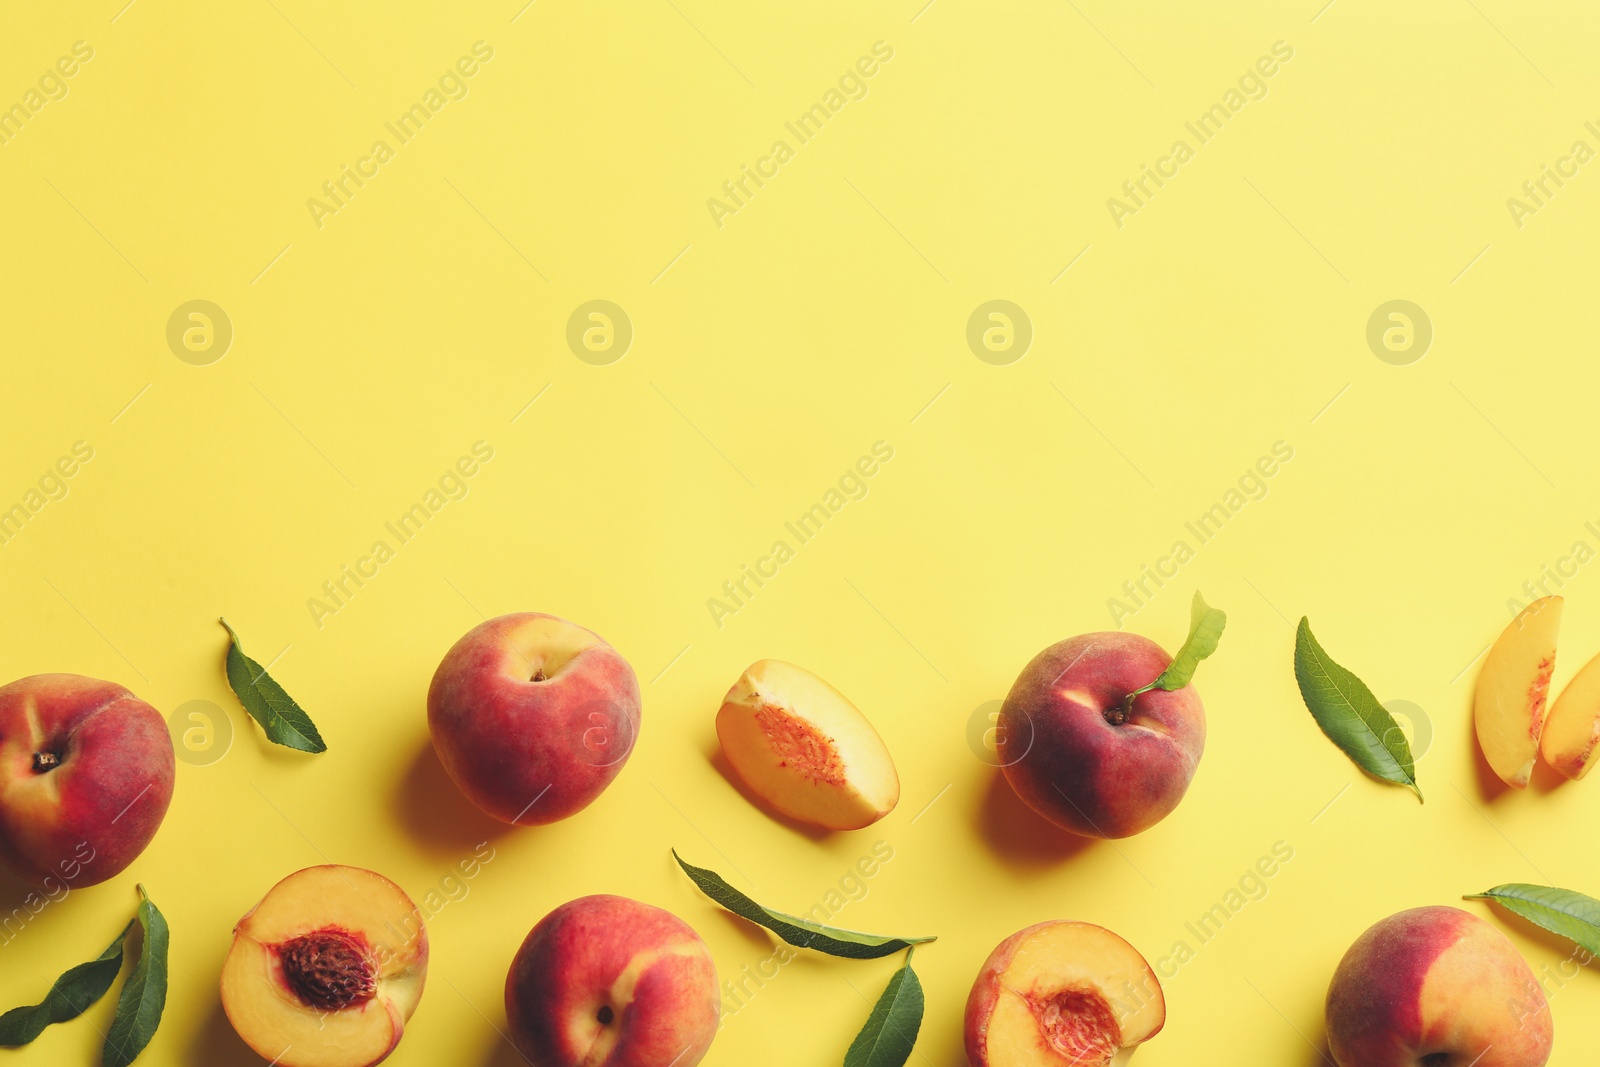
(1062, 994)
(802, 747)
(327, 969)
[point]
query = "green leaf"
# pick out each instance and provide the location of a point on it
(144, 994)
(1561, 911)
(891, 1030)
(1350, 715)
(69, 998)
(1205, 630)
(282, 719)
(802, 933)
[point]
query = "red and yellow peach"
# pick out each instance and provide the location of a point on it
(533, 716)
(1078, 752)
(86, 772)
(1439, 987)
(608, 980)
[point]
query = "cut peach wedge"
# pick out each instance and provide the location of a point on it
(325, 971)
(802, 747)
(1508, 708)
(1572, 729)
(1062, 994)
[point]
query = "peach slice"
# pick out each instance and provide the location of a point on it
(1508, 707)
(801, 746)
(325, 971)
(1572, 729)
(1062, 994)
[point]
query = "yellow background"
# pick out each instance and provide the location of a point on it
(769, 354)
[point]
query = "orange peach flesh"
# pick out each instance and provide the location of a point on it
(1572, 729)
(326, 970)
(805, 749)
(1062, 994)
(800, 746)
(1509, 704)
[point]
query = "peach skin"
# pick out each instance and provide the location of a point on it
(86, 772)
(605, 981)
(533, 716)
(1075, 755)
(1436, 987)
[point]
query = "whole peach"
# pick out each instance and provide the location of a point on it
(1079, 755)
(1440, 987)
(608, 980)
(533, 716)
(86, 773)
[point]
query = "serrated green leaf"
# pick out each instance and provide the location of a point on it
(1561, 911)
(802, 933)
(1205, 630)
(68, 998)
(891, 1030)
(1350, 715)
(284, 722)
(144, 994)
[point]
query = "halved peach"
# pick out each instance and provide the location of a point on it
(801, 746)
(325, 971)
(1508, 708)
(1062, 994)
(1572, 729)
